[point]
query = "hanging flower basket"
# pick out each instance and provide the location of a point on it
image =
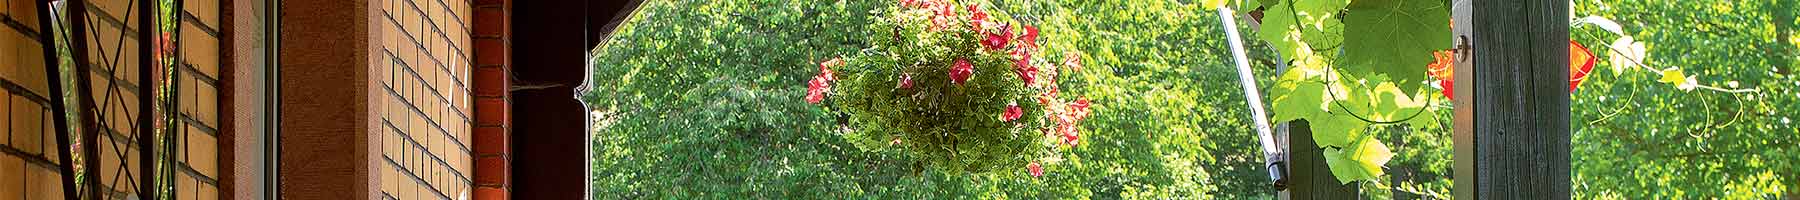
(952, 85)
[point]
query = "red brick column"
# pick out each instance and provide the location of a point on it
(493, 103)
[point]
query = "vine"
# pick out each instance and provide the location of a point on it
(1348, 74)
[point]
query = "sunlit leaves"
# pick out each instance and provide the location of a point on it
(1627, 53)
(1360, 162)
(1394, 38)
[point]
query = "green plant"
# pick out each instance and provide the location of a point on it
(955, 86)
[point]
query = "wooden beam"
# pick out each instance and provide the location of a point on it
(1512, 118)
(1310, 176)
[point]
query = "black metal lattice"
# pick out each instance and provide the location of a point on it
(69, 34)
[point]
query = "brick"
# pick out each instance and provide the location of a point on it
(479, 3)
(490, 82)
(490, 22)
(491, 170)
(490, 193)
(490, 52)
(492, 112)
(491, 140)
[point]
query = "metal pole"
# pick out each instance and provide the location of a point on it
(90, 131)
(146, 131)
(170, 109)
(53, 70)
(271, 99)
(1271, 152)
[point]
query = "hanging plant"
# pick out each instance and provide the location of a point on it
(955, 86)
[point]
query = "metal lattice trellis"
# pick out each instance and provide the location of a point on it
(65, 34)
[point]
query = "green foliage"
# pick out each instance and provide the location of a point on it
(1348, 73)
(1638, 138)
(1393, 38)
(954, 127)
(703, 99)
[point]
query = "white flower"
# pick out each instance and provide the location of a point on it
(1627, 53)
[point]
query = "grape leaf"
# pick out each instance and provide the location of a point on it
(1361, 162)
(1394, 37)
(1336, 130)
(1298, 99)
(1393, 104)
(1293, 25)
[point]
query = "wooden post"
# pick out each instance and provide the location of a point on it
(1512, 114)
(1312, 178)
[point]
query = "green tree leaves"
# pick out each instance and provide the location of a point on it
(1360, 162)
(1353, 64)
(1394, 38)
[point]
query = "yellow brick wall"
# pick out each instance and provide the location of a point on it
(28, 157)
(424, 66)
(27, 168)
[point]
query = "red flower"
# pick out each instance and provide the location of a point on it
(1035, 169)
(961, 71)
(944, 9)
(1026, 71)
(815, 89)
(1079, 109)
(977, 19)
(1069, 134)
(1021, 53)
(1012, 113)
(1443, 67)
(1047, 96)
(1029, 39)
(912, 3)
(994, 41)
(1449, 89)
(905, 81)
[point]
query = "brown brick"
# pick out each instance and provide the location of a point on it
(491, 170)
(490, 82)
(490, 52)
(491, 140)
(492, 112)
(490, 22)
(490, 193)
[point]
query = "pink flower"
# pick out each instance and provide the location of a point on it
(905, 81)
(977, 19)
(1069, 134)
(1079, 109)
(1026, 72)
(946, 9)
(939, 23)
(1012, 113)
(825, 68)
(815, 89)
(994, 42)
(1036, 170)
(1029, 39)
(961, 71)
(997, 41)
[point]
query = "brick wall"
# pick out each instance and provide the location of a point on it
(493, 126)
(27, 146)
(423, 71)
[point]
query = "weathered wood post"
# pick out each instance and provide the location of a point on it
(1512, 114)
(1306, 163)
